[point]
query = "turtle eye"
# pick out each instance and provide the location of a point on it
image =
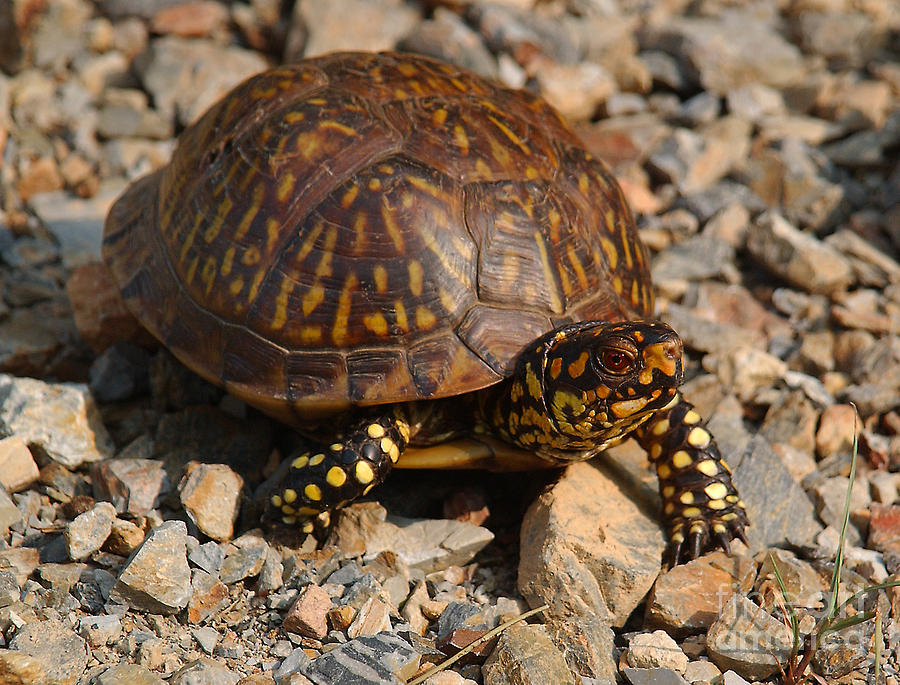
(616, 361)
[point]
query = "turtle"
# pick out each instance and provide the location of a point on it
(415, 267)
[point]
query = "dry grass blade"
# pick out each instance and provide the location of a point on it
(472, 645)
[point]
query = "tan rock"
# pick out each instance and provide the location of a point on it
(18, 469)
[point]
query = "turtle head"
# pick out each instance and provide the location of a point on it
(584, 386)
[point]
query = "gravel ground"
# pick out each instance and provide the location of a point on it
(759, 145)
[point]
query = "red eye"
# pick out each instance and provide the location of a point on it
(616, 361)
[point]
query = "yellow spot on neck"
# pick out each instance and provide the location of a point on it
(313, 492)
(716, 491)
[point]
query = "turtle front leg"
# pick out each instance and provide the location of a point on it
(700, 503)
(333, 475)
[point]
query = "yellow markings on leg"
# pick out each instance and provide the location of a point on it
(336, 447)
(690, 512)
(691, 417)
(719, 528)
(317, 459)
(287, 509)
(663, 471)
(277, 502)
(363, 473)
(375, 431)
(289, 496)
(716, 504)
(697, 527)
(655, 451)
(313, 492)
(707, 467)
(668, 492)
(300, 462)
(394, 453)
(335, 477)
(403, 427)
(660, 427)
(681, 459)
(686, 497)
(386, 444)
(698, 437)
(716, 491)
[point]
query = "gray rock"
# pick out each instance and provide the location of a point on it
(426, 544)
(120, 372)
(382, 659)
(702, 672)
(208, 556)
(157, 578)
(62, 655)
(87, 532)
(207, 638)
(203, 671)
(184, 77)
(460, 615)
(587, 643)
(653, 676)
(134, 486)
(697, 258)
(244, 558)
(748, 640)
(830, 495)
(776, 504)
(100, 630)
(728, 51)
(798, 257)
(9, 513)
(9, 588)
(448, 37)
(525, 654)
(349, 25)
(588, 548)
(59, 420)
(656, 650)
(76, 223)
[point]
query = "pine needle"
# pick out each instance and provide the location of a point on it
(472, 645)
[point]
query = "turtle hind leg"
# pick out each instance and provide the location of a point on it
(335, 474)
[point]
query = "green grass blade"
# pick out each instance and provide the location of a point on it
(839, 556)
(795, 622)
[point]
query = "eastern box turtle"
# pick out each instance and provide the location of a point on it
(385, 250)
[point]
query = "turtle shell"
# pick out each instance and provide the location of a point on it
(368, 228)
